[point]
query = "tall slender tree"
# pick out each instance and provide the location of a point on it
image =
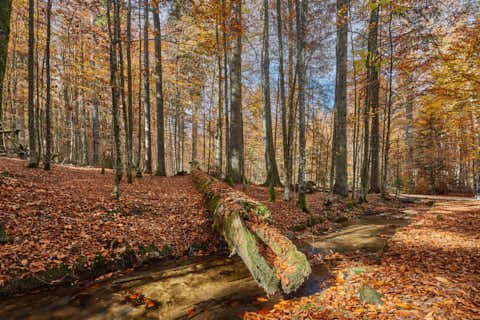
(226, 90)
(33, 159)
(48, 146)
(340, 139)
(236, 129)
(114, 38)
(146, 100)
(389, 106)
(161, 169)
(139, 134)
(5, 12)
(273, 178)
(374, 104)
(129, 94)
(219, 133)
(371, 95)
(283, 100)
(301, 6)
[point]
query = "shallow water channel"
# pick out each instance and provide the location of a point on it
(212, 287)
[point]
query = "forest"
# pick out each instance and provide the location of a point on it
(234, 159)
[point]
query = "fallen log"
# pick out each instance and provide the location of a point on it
(273, 260)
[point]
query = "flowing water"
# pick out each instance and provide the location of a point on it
(213, 287)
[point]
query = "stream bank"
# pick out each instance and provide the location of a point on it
(213, 287)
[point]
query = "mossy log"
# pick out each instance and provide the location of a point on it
(272, 259)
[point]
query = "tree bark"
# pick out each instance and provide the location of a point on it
(5, 12)
(95, 131)
(283, 100)
(226, 90)
(115, 94)
(371, 95)
(389, 106)
(46, 161)
(139, 134)
(375, 130)
(236, 129)
(146, 102)
(129, 95)
(161, 169)
(301, 9)
(340, 154)
(243, 223)
(33, 160)
(273, 178)
(219, 133)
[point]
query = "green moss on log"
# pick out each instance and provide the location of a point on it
(230, 208)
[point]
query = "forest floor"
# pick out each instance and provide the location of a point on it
(430, 269)
(63, 226)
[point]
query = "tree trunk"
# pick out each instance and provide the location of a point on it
(46, 161)
(409, 132)
(273, 178)
(95, 131)
(356, 123)
(226, 90)
(146, 102)
(161, 169)
(301, 9)
(33, 160)
(371, 95)
(115, 93)
(5, 12)
(283, 100)
(219, 133)
(375, 130)
(340, 154)
(243, 223)
(389, 106)
(139, 134)
(129, 95)
(236, 129)
(195, 163)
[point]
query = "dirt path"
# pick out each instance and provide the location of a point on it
(436, 198)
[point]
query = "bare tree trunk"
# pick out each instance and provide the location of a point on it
(226, 100)
(84, 133)
(301, 9)
(375, 130)
(409, 133)
(33, 160)
(389, 107)
(139, 135)
(195, 163)
(283, 100)
(332, 159)
(146, 102)
(46, 161)
(129, 123)
(95, 131)
(161, 169)
(5, 12)
(236, 130)
(114, 38)
(219, 133)
(356, 124)
(371, 95)
(340, 138)
(273, 178)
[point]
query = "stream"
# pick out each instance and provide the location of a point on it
(214, 287)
